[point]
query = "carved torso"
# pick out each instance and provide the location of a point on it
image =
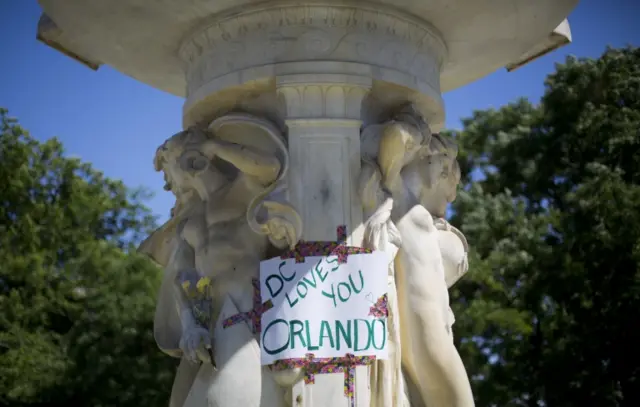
(226, 249)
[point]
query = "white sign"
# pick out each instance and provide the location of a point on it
(323, 307)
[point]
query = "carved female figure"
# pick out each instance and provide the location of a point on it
(226, 218)
(408, 179)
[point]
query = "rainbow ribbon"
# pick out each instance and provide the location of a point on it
(254, 315)
(312, 366)
(338, 248)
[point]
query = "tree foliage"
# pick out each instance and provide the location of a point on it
(548, 312)
(77, 307)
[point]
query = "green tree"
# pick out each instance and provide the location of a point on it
(77, 304)
(548, 312)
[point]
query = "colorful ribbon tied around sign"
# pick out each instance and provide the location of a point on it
(310, 363)
(313, 366)
(254, 315)
(302, 250)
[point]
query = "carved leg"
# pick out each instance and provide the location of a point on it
(240, 379)
(185, 376)
(322, 113)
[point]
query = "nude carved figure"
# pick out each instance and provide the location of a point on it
(229, 215)
(408, 177)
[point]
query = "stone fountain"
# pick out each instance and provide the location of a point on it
(302, 118)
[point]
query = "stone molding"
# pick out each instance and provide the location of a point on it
(322, 97)
(279, 32)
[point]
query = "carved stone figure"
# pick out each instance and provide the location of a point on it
(408, 178)
(228, 214)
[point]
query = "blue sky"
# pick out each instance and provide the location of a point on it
(116, 123)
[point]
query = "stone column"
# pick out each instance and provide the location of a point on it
(323, 116)
(320, 71)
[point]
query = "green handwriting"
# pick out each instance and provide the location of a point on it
(351, 335)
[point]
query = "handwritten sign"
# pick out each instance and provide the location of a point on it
(323, 307)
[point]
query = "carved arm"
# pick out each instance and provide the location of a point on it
(183, 258)
(250, 161)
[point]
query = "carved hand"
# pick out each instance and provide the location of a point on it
(196, 344)
(282, 230)
(283, 225)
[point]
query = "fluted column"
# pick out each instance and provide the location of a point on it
(323, 116)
